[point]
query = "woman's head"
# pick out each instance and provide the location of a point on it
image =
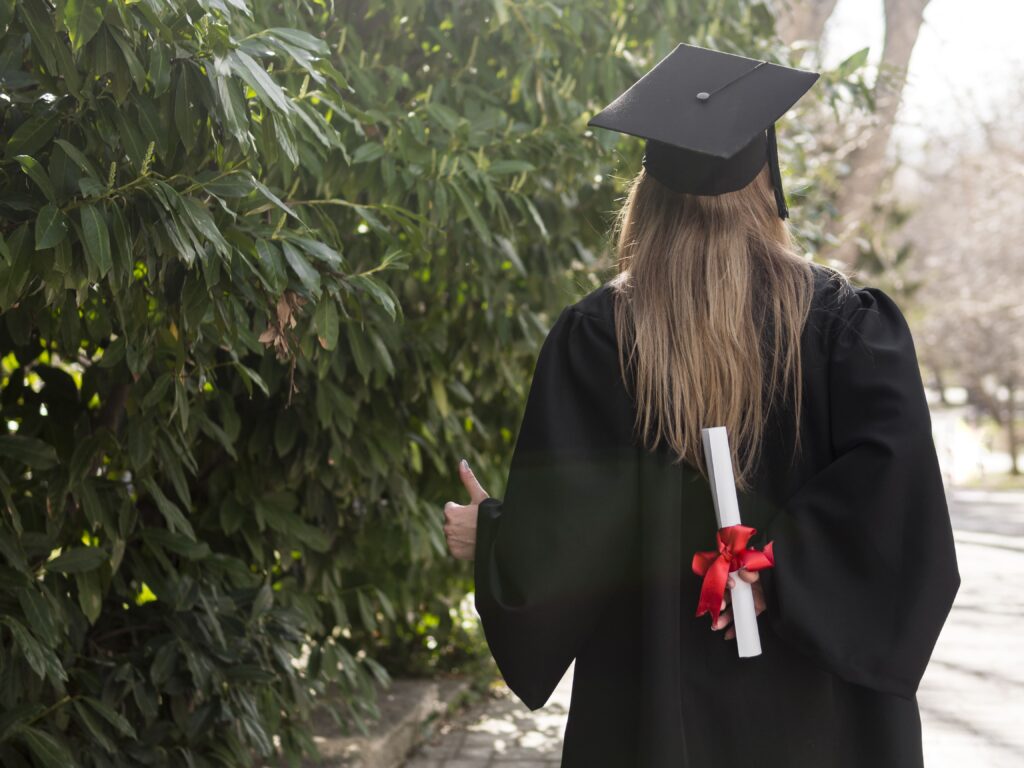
(711, 298)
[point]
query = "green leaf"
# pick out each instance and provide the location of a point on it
(385, 603)
(277, 509)
(472, 209)
(41, 659)
(366, 611)
(28, 450)
(33, 134)
(153, 129)
(82, 19)
(78, 560)
(38, 613)
(129, 129)
(176, 520)
(229, 185)
(380, 292)
(360, 350)
(536, 217)
(440, 397)
(235, 109)
(307, 275)
(46, 749)
(271, 266)
(318, 250)
(113, 354)
(267, 193)
(51, 226)
(251, 376)
(300, 39)
(446, 117)
(184, 106)
(394, 258)
(382, 351)
(111, 716)
(176, 543)
(94, 727)
(286, 431)
(283, 136)
(163, 663)
(852, 63)
(264, 601)
(299, 55)
(36, 172)
(204, 223)
(117, 550)
(11, 549)
(326, 322)
(78, 158)
(256, 76)
(90, 594)
(159, 68)
(96, 238)
(503, 167)
(232, 515)
(509, 250)
(22, 714)
(135, 68)
(367, 153)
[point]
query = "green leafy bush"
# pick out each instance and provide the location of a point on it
(266, 272)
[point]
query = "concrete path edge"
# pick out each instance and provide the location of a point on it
(410, 711)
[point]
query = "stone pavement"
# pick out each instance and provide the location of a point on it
(971, 697)
(503, 733)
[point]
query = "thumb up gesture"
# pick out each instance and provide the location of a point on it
(460, 519)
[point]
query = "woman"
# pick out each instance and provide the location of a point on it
(714, 319)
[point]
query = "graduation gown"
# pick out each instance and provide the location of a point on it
(588, 557)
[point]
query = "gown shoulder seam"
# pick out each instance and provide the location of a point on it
(579, 311)
(596, 300)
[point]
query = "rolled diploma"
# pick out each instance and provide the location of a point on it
(727, 510)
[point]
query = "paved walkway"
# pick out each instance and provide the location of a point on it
(971, 697)
(502, 732)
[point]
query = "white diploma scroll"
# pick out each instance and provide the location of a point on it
(727, 510)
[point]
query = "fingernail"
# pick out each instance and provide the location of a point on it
(464, 464)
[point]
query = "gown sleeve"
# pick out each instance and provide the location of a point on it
(551, 554)
(865, 567)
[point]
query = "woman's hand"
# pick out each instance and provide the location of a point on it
(725, 616)
(460, 519)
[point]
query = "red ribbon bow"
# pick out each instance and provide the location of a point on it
(732, 555)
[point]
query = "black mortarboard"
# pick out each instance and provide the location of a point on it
(708, 118)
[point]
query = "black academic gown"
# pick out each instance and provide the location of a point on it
(588, 557)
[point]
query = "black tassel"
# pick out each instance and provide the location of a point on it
(773, 161)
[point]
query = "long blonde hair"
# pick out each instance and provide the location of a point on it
(710, 302)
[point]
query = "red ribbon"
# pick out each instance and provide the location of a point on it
(732, 555)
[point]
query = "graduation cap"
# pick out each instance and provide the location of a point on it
(708, 118)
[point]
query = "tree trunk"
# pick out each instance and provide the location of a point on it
(940, 384)
(867, 162)
(984, 403)
(1011, 427)
(802, 19)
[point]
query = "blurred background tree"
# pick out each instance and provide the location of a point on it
(966, 224)
(266, 273)
(937, 229)
(865, 213)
